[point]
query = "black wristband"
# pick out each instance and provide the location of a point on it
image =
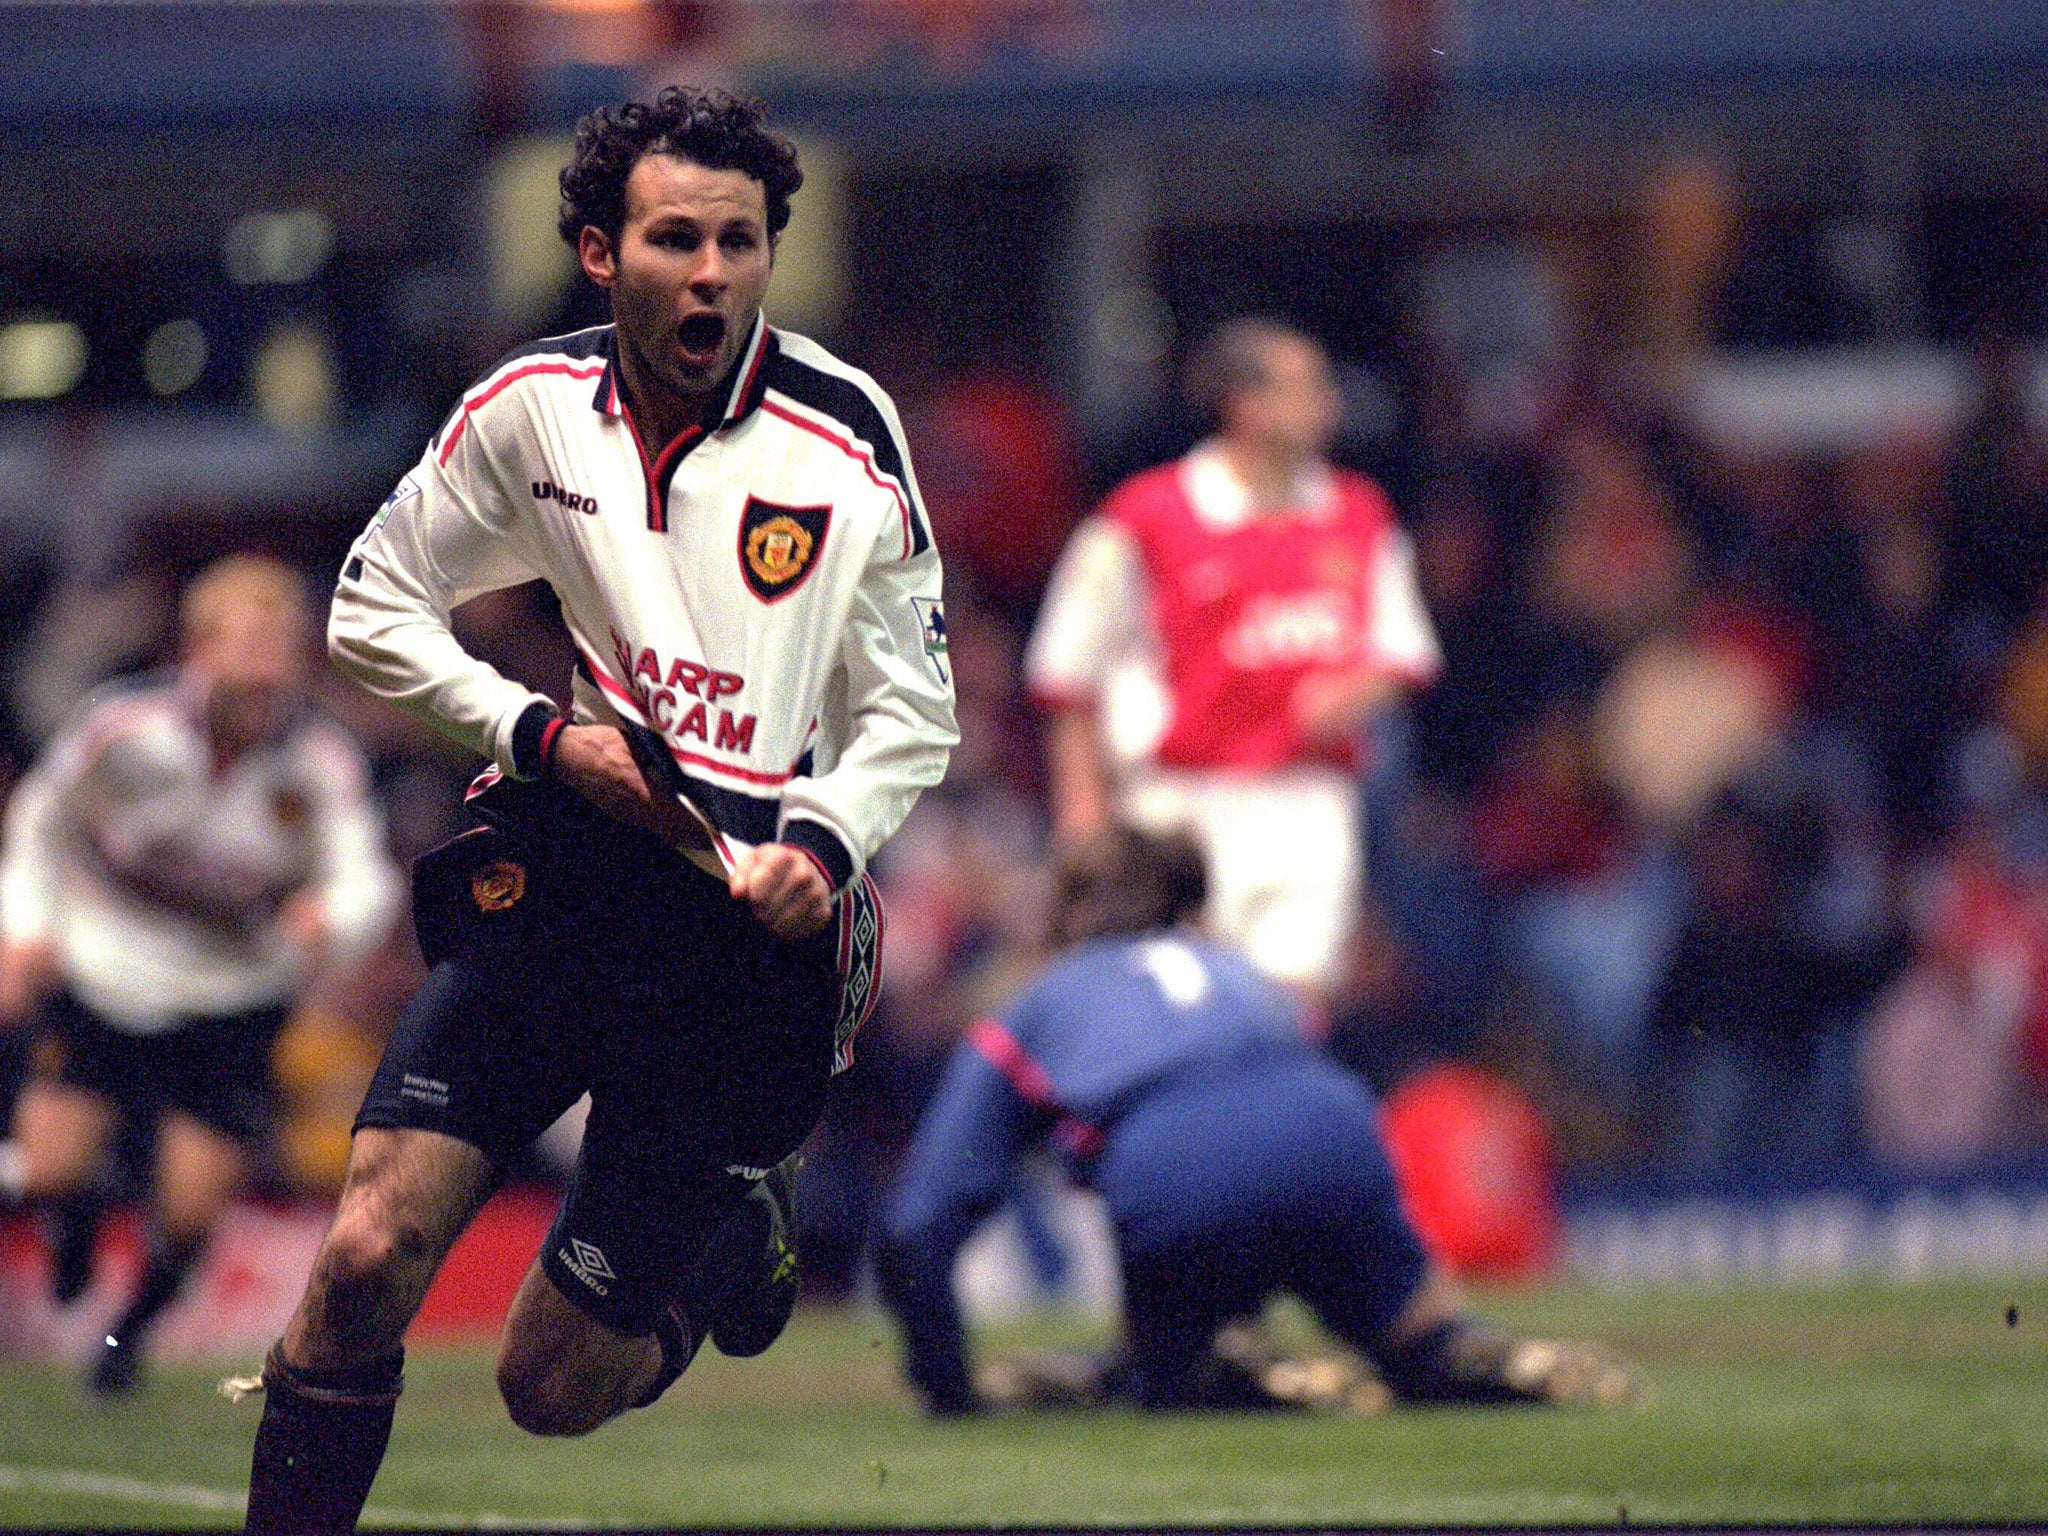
(529, 759)
(822, 844)
(550, 734)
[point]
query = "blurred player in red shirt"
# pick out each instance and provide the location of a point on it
(1215, 641)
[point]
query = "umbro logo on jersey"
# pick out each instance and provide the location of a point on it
(574, 501)
(586, 1261)
(779, 546)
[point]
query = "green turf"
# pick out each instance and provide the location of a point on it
(1862, 1404)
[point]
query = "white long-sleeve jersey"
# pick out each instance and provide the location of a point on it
(762, 593)
(157, 874)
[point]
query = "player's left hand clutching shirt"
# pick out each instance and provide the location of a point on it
(762, 593)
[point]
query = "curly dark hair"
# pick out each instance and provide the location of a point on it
(714, 128)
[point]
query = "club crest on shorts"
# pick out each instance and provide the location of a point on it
(779, 546)
(498, 885)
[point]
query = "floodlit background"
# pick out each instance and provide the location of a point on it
(1699, 343)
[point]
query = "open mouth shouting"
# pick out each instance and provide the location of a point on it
(700, 340)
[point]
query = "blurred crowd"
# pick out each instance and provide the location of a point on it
(1732, 790)
(1724, 832)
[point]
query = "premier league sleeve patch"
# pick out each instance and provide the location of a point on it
(404, 491)
(931, 619)
(780, 546)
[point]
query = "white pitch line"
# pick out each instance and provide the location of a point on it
(103, 1485)
(99, 1485)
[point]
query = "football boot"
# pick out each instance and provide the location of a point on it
(750, 1272)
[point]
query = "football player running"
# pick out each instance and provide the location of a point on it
(664, 900)
(178, 864)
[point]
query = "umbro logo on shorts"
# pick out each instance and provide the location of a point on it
(587, 1263)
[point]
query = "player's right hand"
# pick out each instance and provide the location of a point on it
(1330, 708)
(596, 762)
(787, 889)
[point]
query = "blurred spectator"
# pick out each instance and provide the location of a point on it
(1544, 815)
(1610, 563)
(1894, 686)
(1001, 479)
(1955, 1063)
(1753, 1026)
(1997, 491)
(1688, 712)
(1464, 720)
(1590, 910)
(1952, 1071)
(2022, 700)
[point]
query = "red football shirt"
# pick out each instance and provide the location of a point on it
(1246, 606)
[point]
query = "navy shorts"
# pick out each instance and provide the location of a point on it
(574, 954)
(217, 1070)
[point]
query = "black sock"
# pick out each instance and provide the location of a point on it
(72, 1223)
(320, 1443)
(680, 1337)
(163, 1276)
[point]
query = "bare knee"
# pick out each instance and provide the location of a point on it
(356, 1302)
(62, 1133)
(544, 1402)
(563, 1373)
(402, 1208)
(372, 1247)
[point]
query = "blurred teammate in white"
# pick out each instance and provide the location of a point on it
(1215, 641)
(188, 851)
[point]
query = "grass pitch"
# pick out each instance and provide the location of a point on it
(1861, 1404)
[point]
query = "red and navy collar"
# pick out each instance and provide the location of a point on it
(743, 396)
(749, 378)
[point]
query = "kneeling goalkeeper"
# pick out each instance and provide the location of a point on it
(1235, 1159)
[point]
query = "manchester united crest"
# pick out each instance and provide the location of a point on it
(779, 546)
(498, 885)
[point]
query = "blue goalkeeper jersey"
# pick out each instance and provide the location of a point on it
(1116, 1019)
(1171, 1076)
